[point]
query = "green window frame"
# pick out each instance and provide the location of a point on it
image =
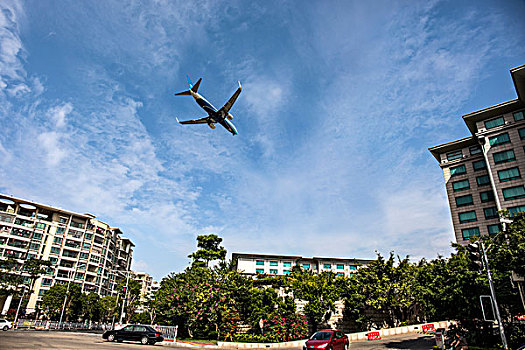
(498, 140)
(259, 270)
(504, 156)
(287, 272)
(483, 180)
(53, 260)
(470, 232)
(509, 174)
(34, 246)
(84, 255)
(460, 185)
(458, 170)
(58, 240)
(474, 150)
(259, 262)
(463, 201)
(522, 133)
(287, 264)
(511, 193)
(518, 116)
(340, 266)
(340, 274)
(353, 267)
(60, 230)
(273, 263)
(306, 266)
(86, 246)
(40, 225)
(491, 213)
(46, 281)
(493, 229)
(79, 276)
(273, 272)
(487, 196)
(493, 123)
(88, 236)
(479, 165)
(37, 236)
(327, 266)
(468, 216)
(55, 250)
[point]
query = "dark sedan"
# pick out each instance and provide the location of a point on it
(133, 332)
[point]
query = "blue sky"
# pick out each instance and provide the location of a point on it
(340, 101)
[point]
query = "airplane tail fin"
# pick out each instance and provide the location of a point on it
(193, 87)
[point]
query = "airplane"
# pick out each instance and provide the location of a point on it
(221, 116)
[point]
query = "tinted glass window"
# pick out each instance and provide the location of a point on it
(500, 139)
(489, 124)
(454, 155)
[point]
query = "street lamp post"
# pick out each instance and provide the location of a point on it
(125, 298)
(65, 299)
(19, 304)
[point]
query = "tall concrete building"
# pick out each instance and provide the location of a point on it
(485, 172)
(81, 249)
(280, 265)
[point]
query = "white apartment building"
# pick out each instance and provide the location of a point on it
(81, 249)
(280, 265)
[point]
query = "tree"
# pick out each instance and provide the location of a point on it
(91, 307)
(132, 298)
(210, 249)
(109, 308)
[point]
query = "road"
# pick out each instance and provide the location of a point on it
(25, 340)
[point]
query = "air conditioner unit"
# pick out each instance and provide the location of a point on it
(507, 122)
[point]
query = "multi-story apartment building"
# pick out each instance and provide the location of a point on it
(81, 249)
(484, 172)
(253, 264)
(146, 283)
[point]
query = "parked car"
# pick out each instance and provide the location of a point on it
(134, 332)
(5, 324)
(328, 340)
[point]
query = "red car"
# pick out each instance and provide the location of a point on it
(328, 340)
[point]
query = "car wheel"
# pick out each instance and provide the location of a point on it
(5, 328)
(144, 340)
(346, 346)
(111, 337)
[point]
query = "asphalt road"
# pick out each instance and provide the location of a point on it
(18, 340)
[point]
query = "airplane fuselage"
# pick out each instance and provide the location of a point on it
(213, 112)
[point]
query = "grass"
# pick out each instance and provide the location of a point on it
(206, 341)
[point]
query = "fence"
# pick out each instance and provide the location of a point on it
(39, 324)
(168, 332)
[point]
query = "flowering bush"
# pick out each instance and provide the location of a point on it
(281, 329)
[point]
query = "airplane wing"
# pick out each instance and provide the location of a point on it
(205, 120)
(226, 108)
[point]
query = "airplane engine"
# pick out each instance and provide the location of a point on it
(229, 116)
(211, 125)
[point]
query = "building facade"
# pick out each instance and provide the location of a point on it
(485, 172)
(281, 265)
(81, 249)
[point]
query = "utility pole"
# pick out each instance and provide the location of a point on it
(116, 306)
(23, 292)
(493, 293)
(65, 298)
(125, 298)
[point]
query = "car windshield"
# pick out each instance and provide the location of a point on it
(321, 336)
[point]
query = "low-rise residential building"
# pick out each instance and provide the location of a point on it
(280, 265)
(82, 249)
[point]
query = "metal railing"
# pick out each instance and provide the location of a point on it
(54, 325)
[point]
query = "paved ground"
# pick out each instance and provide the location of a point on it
(18, 340)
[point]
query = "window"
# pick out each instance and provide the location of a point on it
(522, 133)
(327, 266)
(458, 170)
(460, 185)
(259, 270)
(511, 193)
(57, 240)
(259, 262)
(469, 216)
(483, 180)
(470, 232)
(62, 220)
(353, 267)
(84, 255)
(79, 275)
(55, 250)
(40, 225)
(499, 140)
(81, 265)
(516, 210)
(489, 124)
(486, 196)
(454, 155)
(37, 236)
(474, 150)
(479, 165)
(273, 263)
(53, 260)
(60, 230)
(464, 200)
(273, 272)
(340, 274)
(509, 174)
(340, 266)
(287, 264)
(306, 266)
(86, 246)
(89, 236)
(504, 156)
(287, 272)
(34, 246)
(46, 282)
(493, 229)
(518, 116)
(491, 213)
(41, 292)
